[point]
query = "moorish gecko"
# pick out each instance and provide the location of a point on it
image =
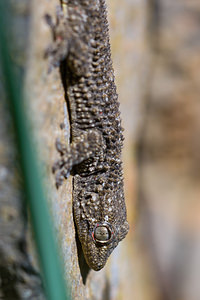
(81, 48)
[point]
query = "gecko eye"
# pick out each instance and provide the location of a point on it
(102, 233)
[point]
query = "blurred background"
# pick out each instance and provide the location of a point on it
(156, 46)
(156, 56)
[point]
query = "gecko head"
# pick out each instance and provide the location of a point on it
(101, 224)
(103, 237)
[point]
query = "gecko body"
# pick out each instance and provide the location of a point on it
(81, 48)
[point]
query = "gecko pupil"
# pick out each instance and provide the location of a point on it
(102, 233)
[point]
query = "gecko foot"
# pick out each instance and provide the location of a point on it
(60, 176)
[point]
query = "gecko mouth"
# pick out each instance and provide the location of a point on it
(97, 255)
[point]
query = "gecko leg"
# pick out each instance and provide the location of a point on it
(82, 148)
(59, 49)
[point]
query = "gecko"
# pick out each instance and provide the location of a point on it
(81, 48)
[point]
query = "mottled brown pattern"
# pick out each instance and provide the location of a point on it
(82, 48)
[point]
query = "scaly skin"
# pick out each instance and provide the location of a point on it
(82, 49)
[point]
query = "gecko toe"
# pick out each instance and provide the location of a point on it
(61, 148)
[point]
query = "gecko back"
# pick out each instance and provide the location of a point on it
(82, 49)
